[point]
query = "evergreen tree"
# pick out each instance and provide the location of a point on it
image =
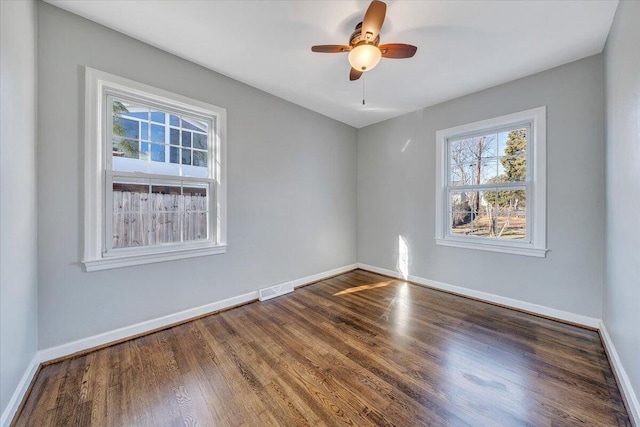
(514, 163)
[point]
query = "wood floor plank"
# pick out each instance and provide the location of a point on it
(357, 349)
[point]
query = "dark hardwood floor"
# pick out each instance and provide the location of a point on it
(359, 349)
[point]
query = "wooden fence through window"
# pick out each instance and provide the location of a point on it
(143, 219)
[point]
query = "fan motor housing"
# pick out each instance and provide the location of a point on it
(357, 37)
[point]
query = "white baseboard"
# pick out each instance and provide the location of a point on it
(542, 310)
(142, 327)
(21, 390)
(321, 276)
(631, 400)
(150, 325)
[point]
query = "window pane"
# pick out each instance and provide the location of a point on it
(165, 227)
(473, 161)
(166, 210)
(186, 139)
(174, 137)
(195, 206)
(128, 148)
(166, 189)
(512, 225)
(194, 124)
(174, 152)
(195, 226)
(128, 197)
(174, 120)
(513, 169)
(511, 210)
(137, 111)
(186, 157)
(130, 214)
(200, 141)
(157, 133)
(460, 201)
(130, 229)
(144, 131)
(157, 153)
(488, 171)
(144, 151)
(200, 158)
(126, 128)
(158, 117)
(514, 199)
(513, 155)
(461, 223)
(473, 212)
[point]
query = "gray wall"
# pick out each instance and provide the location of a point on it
(18, 286)
(396, 187)
(621, 310)
(291, 188)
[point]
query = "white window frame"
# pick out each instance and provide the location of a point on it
(535, 185)
(98, 174)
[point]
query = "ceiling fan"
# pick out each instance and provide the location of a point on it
(364, 49)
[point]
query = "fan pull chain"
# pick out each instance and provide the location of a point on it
(363, 89)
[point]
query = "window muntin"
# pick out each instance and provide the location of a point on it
(491, 184)
(169, 194)
(487, 184)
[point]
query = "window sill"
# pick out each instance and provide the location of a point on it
(108, 263)
(514, 250)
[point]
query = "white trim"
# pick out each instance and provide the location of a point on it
(150, 325)
(108, 263)
(321, 276)
(629, 395)
(20, 391)
(491, 247)
(537, 215)
(542, 310)
(142, 327)
(98, 86)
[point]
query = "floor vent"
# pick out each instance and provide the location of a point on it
(275, 291)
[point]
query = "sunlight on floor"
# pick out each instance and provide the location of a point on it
(361, 288)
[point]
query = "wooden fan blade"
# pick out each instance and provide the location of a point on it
(397, 50)
(330, 48)
(354, 74)
(373, 20)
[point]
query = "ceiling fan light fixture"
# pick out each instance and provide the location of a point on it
(364, 57)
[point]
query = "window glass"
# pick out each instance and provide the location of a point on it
(485, 167)
(146, 140)
(158, 213)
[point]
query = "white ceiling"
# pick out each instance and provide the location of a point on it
(463, 46)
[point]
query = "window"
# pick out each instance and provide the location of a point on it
(490, 184)
(154, 174)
